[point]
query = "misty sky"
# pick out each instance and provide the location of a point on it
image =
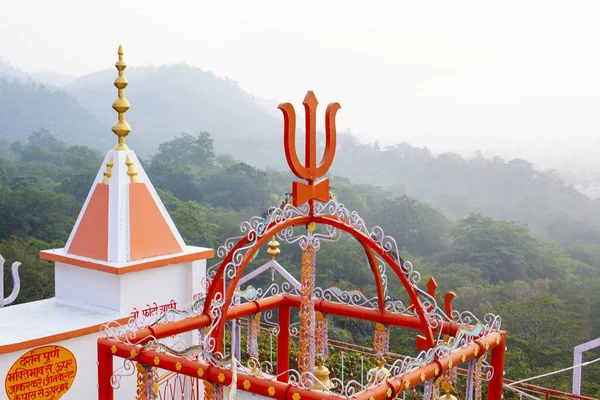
(447, 74)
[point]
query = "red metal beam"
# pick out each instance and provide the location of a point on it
(202, 370)
(202, 320)
(377, 274)
(105, 371)
(418, 375)
(369, 314)
(497, 362)
(283, 343)
(198, 369)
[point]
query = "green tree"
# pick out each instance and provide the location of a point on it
(35, 213)
(238, 186)
(37, 276)
(188, 150)
(189, 217)
(502, 250)
(417, 227)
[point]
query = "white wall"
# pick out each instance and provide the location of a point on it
(87, 286)
(125, 292)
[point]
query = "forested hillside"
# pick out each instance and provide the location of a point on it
(179, 98)
(508, 190)
(168, 100)
(548, 292)
(28, 107)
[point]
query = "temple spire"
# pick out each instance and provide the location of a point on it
(121, 128)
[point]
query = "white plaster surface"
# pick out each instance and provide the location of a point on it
(87, 286)
(43, 318)
(160, 285)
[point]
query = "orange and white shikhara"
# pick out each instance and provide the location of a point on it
(171, 328)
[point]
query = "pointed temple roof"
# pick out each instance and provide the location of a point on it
(123, 222)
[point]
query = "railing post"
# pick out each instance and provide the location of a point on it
(283, 343)
(105, 369)
(497, 362)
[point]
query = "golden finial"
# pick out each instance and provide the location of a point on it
(108, 172)
(311, 227)
(121, 128)
(273, 248)
(131, 170)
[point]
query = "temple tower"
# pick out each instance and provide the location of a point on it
(123, 259)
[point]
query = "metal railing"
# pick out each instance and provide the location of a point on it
(346, 361)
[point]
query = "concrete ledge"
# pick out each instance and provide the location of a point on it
(191, 253)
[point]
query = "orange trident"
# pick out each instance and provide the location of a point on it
(310, 171)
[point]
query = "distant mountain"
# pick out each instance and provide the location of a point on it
(270, 105)
(7, 71)
(46, 78)
(51, 78)
(27, 107)
(168, 100)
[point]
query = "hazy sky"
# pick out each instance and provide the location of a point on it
(448, 74)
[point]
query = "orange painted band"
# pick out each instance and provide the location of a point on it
(138, 266)
(9, 348)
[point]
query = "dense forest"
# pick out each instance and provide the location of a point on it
(465, 230)
(167, 100)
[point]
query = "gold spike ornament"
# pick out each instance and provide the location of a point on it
(108, 173)
(121, 128)
(131, 170)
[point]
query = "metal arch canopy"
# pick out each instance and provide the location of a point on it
(220, 293)
(371, 246)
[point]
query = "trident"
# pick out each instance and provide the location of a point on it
(16, 283)
(310, 171)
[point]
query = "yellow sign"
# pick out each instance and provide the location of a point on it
(45, 373)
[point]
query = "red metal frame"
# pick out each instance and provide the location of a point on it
(423, 342)
(107, 348)
(303, 193)
(283, 342)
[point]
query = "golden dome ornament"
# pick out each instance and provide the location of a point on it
(322, 373)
